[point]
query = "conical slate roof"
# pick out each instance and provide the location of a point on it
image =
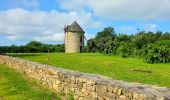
(74, 27)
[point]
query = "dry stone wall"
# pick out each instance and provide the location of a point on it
(86, 86)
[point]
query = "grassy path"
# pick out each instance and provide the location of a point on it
(13, 86)
(112, 66)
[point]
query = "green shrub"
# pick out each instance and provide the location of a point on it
(157, 54)
(125, 49)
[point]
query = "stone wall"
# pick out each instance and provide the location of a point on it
(86, 86)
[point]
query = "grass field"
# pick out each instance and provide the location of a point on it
(14, 86)
(127, 69)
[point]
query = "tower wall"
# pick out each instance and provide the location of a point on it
(72, 42)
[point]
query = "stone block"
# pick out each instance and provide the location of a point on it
(135, 96)
(101, 89)
(110, 88)
(122, 97)
(115, 90)
(119, 92)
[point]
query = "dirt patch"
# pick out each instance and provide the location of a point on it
(1, 98)
(141, 70)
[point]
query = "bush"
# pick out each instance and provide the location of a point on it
(32, 47)
(157, 54)
(153, 47)
(125, 49)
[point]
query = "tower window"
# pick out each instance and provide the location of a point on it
(80, 38)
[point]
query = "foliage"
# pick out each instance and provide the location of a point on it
(165, 36)
(91, 46)
(32, 47)
(125, 49)
(35, 46)
(108, 42)
(109, 46)
(103, 42)
(157, 53)
(135, 45)
(124, 38)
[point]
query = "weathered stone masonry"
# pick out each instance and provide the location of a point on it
(86, 86)
(73, 38)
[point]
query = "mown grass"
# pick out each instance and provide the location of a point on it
(112, 66)
(14, 86)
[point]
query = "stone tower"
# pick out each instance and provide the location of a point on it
(73, 38)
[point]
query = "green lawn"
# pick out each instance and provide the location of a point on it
(14, 86)
(112, 66)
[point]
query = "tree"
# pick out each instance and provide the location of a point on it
(34, 46)
(126, 49)
(108, 34)
(109, 47)
(91, 45)
(137, 45)
(165, 36)
(14, 49)
(123, 38)
(59, 48)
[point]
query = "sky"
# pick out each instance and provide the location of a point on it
(22, 21)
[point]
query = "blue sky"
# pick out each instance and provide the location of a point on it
(22, 21)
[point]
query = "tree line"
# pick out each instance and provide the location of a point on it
(153, 47)
(32, 47)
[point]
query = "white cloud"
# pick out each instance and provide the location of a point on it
(123, 9)
(52, 37)
(20, 24)
(13, 38)
(150, 27)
